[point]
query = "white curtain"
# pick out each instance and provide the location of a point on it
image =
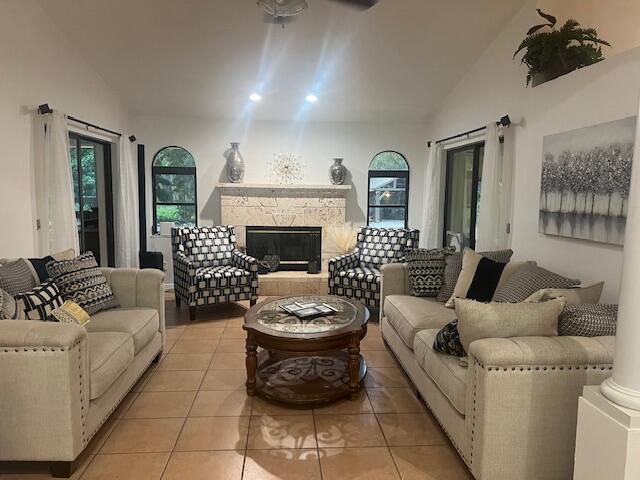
(430, 231)
(55, 210)
(491, 231)
(126, 228)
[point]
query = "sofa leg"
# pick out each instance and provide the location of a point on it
(192, 313)
(62, 469)
(157, 358)
(252, 302)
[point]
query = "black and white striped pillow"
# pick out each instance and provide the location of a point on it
(81, 280)
(40, 302)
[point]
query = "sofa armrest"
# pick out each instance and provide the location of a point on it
(138, 288)
(44, 373)
(527, 388)
(394, 281)
(348, 260)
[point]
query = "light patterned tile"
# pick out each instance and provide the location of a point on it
(286, 464)
(358, 464)
(360, 430)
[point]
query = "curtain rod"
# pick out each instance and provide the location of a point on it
(504, 121)
(45, 108)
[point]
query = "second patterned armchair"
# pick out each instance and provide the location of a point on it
(208, 268)
(357, 274)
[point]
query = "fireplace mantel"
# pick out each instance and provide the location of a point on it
(261, 189)
(268, 205)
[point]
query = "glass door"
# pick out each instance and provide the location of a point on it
(92, 189)
(462, 194)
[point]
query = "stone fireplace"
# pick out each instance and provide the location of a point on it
(286, 207)
(247, 205)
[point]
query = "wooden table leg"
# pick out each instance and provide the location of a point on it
(354, 369)
(252, 364)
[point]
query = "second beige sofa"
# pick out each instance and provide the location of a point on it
(511, 414)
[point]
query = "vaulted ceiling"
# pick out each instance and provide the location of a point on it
(394, 62)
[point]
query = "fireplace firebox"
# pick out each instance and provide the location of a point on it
(299, 248)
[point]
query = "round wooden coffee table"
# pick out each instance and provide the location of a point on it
(305, 361)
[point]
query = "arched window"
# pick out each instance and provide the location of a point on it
(175, 189)
(388, 191)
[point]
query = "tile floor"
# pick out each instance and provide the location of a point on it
(190, 418)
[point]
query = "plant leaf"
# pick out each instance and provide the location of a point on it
(535, 28)
(550, 18)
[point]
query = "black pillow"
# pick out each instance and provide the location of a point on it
(40, 266)
(448, 340)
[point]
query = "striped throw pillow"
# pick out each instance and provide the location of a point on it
(82, 281)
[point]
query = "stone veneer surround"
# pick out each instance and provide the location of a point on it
(267, 205)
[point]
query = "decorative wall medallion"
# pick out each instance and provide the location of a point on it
(285, 168)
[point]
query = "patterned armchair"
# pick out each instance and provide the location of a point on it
(208, 269)
(357, 274)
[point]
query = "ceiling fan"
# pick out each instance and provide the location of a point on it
(282, 12)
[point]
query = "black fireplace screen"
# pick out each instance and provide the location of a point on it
(296, 246)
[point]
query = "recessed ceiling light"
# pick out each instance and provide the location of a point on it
(255, 97)
(311, 98)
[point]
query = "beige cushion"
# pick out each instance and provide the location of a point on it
(140, 323)
(444, 370)
(110, 353)
(470, 261)
(408, 315)
(575, 296)
(505, 320)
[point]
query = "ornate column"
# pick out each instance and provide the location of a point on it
(623, 387)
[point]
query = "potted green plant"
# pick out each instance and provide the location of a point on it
(549, 54)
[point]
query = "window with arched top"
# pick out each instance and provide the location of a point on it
(175, 188)
(388, 204)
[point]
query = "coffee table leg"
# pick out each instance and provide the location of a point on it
(354, 370)
(252, 364)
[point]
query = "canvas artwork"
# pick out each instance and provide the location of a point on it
(586, 177)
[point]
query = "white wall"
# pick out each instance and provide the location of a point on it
(38, 64)
(495, 86)
(316, 143)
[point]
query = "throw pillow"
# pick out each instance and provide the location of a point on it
(40, 264)
(480, 277)
(82, 281)
(575, 296)
(589, 320)
(426, 270)
(478, 320)
(9, 308)
(448, 340)
(454, 266)
(70, 312)
(528, 280)
(38, 303)
(16, 277)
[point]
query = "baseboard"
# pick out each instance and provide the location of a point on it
(168, 287)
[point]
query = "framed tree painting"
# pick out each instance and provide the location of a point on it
(586, 177)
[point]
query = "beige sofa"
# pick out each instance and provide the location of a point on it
(60, 382)
(512, 413)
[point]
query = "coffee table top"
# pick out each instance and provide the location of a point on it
(267, 317)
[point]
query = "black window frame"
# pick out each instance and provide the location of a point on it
(475, 177)
(162, 170)
(76, 139)
(405, 174)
